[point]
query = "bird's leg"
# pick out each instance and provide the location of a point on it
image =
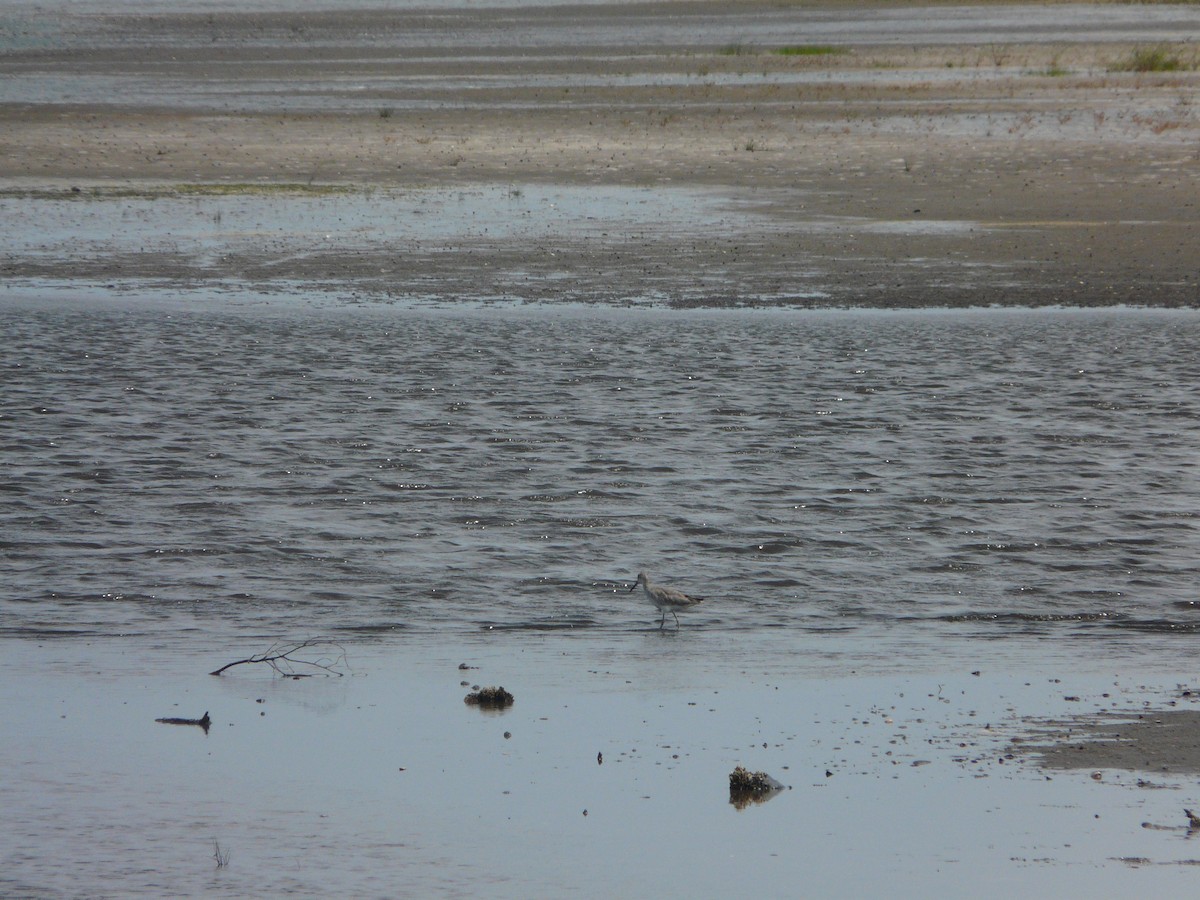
(676, 618)
(663, 622)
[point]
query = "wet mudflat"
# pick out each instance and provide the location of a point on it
(951, 155)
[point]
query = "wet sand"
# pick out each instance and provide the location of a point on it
(978, 155)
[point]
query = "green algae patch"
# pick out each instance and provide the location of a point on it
(811, 50)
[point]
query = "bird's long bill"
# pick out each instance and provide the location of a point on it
(634, 588)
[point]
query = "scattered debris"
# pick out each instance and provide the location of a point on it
(490, 698)
(464, 667)
(1193, 819)
(1155, 785)
(1150, 826)
(203, 722)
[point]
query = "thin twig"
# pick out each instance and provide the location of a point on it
(280, 657)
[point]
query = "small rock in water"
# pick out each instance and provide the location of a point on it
(746, 787)
(490, 698)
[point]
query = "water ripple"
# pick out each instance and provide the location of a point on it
(375, 470)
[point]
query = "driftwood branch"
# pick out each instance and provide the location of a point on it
(284, 660)
(203, 722)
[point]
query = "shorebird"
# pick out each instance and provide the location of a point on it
(665, 599)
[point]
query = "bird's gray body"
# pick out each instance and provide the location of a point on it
(665, 599)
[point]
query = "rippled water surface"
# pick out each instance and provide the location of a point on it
(911, 480)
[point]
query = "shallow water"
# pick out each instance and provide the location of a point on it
(850, 490)
(421, 221)
(608, 777)
(914, 530)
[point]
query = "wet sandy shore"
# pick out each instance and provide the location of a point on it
(939, 156)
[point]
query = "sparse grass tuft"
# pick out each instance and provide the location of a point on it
(1052, 71)
(1149, 59)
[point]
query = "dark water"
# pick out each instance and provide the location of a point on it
(915, 477)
